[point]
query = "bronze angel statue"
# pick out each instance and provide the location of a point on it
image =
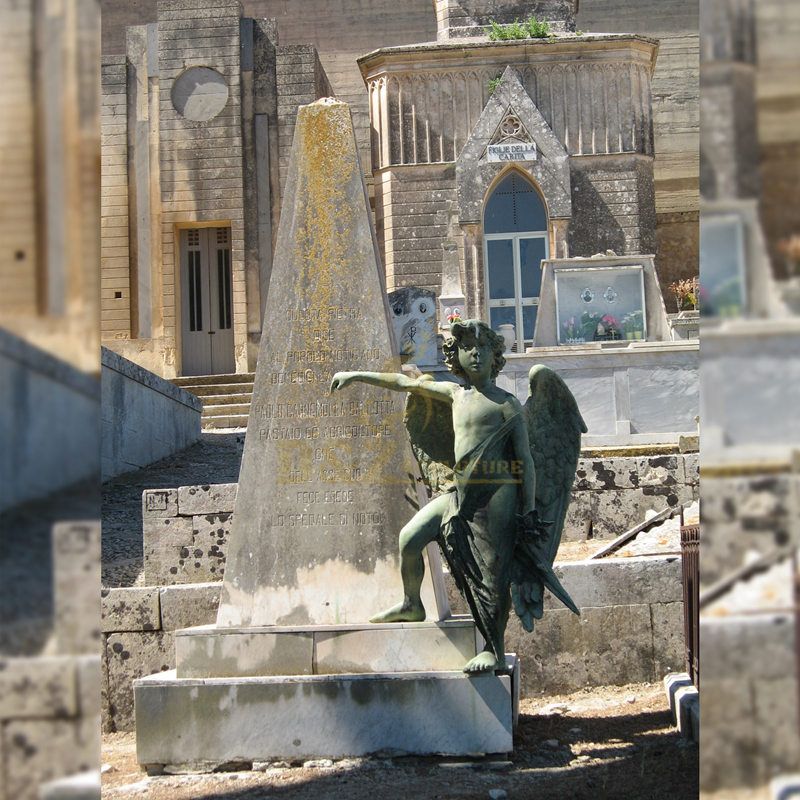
(503, 474)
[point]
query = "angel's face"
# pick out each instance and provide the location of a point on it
(475, 356)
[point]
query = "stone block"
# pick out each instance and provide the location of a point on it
(604, 646)
(218, 498)
(619, 582)
(606, 473)
(775, 722)
(211, 652)
(657, 470)
(84, 786)
(159, 503)
(186, 549)
(618, 510)
(579, 514)
(38, 751)
(76, 581)
(88, 680)
(182, 721)
(691, 468)
(669, 651)
(686, 698)
(673, 682)
(130, 656)
(188, 605)
(130, 609)
(164, 540)
(418, 647)
(42, 686)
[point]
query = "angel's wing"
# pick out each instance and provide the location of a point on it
(430, 428)
(555, 426)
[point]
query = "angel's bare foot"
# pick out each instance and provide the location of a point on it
(407, 611)
(484, 662)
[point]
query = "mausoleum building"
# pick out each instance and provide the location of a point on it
(483, 159)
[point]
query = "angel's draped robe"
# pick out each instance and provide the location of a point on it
(481, 564)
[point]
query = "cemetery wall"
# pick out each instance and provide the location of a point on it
(630, 630)
(135, 401)
(39, 389)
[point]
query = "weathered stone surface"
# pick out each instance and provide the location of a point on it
(38, 687)
(89, 678)
(85, 786)
(243, 652)
(611, 645)
(159, 503)
(691, 468)
(326, 482)
(76, 580)
(619, 582)
(130, 609)
(188, 605)
(669, 653)
(217, 498)
(606, 473)
(259, 719)
(41, 750)
(416, 647)
(129, 656)
(614, 510)
(186, 549)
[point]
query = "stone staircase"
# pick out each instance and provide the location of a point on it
(226, 398)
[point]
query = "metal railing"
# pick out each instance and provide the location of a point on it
(690, 578)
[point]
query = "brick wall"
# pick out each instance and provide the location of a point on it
(412, 209)
(300, 80)
(612, 205)
(115, 312)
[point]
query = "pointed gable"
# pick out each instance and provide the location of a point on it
(513, 127)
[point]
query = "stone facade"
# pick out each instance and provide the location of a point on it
(168, 167)
(622, 107)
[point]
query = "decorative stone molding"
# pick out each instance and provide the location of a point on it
(593, 92)
(511, 114)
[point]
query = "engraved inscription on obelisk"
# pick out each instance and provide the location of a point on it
(327, 482)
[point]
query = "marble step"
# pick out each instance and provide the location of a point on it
(199, 723)
(225, 421)
(221, 389)
(208, 651)
(226, 409)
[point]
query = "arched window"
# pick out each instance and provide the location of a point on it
(515, 242)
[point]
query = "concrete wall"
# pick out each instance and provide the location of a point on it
(630, 630)
(48, 428)
(144, 417)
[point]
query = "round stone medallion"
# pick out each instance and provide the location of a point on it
(199, 93)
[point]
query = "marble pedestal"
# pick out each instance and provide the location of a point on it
(259, 694)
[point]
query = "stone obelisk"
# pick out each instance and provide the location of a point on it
(327, 481)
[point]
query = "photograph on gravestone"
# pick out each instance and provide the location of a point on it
(326, 482)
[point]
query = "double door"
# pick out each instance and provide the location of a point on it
(513, 281)
(207, 301)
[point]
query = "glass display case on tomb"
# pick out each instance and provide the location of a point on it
(600, 304)
(606, 299)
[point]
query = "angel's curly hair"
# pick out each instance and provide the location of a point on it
(481, 331)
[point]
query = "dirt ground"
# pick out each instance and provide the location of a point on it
(610, 742)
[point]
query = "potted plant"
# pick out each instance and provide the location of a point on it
(589, 320)
(572, 331)
(686, 293)
(610, 326)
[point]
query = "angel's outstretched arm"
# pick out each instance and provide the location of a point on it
(397, 382)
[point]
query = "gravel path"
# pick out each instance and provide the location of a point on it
(215, 458)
